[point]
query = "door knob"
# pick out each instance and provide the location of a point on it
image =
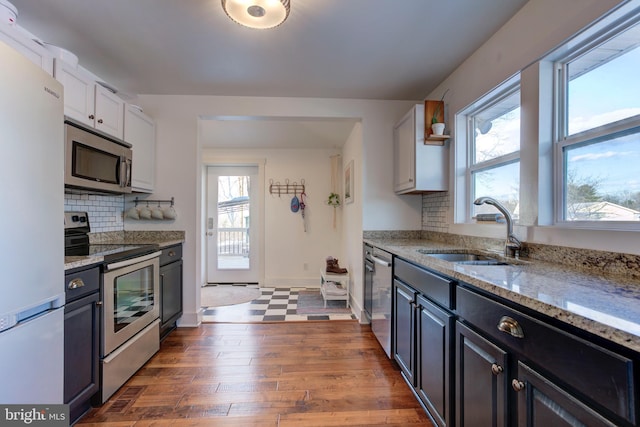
(496, 369)
(517, 385)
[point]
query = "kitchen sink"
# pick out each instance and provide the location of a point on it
(463, 258)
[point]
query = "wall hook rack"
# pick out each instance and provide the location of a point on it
(147, 201)
(286, 188)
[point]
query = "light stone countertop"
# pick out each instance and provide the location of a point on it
(605, 305)
(162, 239)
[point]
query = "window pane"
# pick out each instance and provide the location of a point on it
(497, 129)
(603, 84)
(502, 183)
(601, 180)
(233, 222)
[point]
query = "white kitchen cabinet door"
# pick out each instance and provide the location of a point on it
(109, 112)
(140, 132)
(79, 92)
(29, 48)
(404, 153)
(417, 168)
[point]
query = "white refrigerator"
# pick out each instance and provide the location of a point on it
(31, 233)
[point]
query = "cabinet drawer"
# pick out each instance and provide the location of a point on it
(171, 254)
(437, 288)
(80, 283)
(599, 374)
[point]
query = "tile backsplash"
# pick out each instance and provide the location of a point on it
(105, 211)
(434, 212)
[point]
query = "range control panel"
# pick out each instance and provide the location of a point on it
(74, 219)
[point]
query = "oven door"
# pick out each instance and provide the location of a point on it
(131, 299)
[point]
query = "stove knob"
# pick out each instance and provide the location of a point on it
(75, 218)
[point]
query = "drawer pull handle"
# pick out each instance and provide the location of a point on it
(75, 284)
(510, 326)
(496, 369)
(172, 253)
(517, 385)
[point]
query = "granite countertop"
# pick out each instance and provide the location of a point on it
(162, 239)
(605, 305)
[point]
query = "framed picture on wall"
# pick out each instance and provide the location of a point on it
(348, 183)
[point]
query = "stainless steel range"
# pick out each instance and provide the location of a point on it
(130, 296)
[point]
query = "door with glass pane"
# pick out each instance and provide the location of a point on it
(231, 224)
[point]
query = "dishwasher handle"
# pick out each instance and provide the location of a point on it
(381, 261)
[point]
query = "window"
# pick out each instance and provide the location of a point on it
(598, 129)
(493, 129)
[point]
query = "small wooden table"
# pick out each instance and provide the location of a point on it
(343, 279)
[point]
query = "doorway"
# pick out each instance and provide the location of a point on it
(233, 224)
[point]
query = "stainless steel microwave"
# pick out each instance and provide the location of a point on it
(96, 162)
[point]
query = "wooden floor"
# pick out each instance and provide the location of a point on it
(331, 373)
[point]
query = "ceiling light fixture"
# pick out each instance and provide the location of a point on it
(259, 14)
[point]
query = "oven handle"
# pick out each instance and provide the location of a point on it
(136, 260)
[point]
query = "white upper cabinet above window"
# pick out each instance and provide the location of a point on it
(417, 168)
(88, 102)
(140, 132)
(29, 48)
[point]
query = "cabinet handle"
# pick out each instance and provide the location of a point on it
(517, 385)
(510, 326)
(91, 116)
(496, 369)
(100, 121)
(75, 284)
(98, 302)
(172, 253)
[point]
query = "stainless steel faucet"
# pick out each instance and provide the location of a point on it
(512, 245)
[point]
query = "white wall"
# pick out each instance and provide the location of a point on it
(293, 257)
(179, 167)
(353, 219)
(538, 28)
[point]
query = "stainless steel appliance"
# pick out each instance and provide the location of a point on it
(96, 161)
(131, 300)
(32, 293)
(378, 276)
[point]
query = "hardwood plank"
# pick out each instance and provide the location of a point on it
(276, 374)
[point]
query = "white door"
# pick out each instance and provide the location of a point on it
(232, 224)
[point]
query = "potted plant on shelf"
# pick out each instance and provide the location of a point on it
(437, 127)
(437, 119)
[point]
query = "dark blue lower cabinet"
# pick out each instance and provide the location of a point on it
(434, 368)
(481, 381)
(543, 404)
(404, 329)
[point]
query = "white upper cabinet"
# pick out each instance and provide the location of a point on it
(417, 168)
(140, 132)
(88, 102)
(36, 53)
(109, 110)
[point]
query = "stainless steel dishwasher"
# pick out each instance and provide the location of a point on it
(378, 266)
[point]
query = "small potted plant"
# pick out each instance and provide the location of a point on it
(437, 127)
(334, 200)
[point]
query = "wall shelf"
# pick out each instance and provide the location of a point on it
(436, 139)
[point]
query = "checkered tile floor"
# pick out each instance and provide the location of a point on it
(274, 305)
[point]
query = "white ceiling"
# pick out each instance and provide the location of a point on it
(365, 49)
